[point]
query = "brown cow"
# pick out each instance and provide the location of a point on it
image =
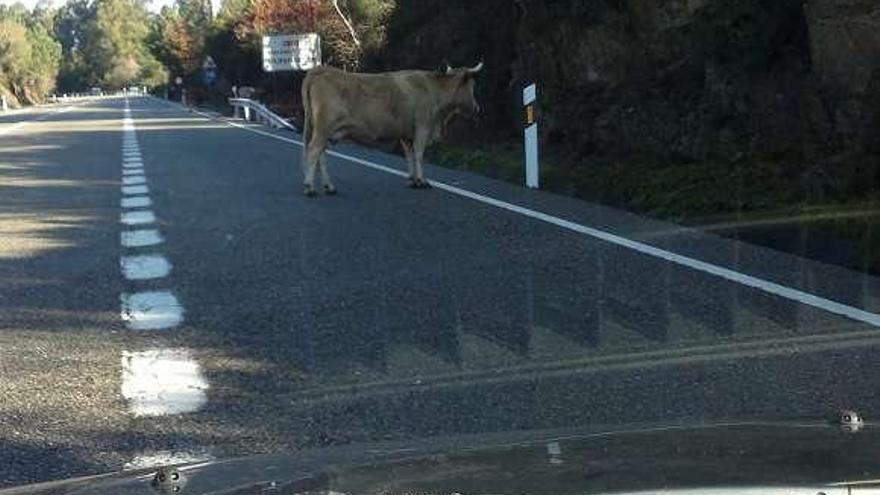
(411, 107)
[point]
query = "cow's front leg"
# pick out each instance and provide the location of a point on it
(410, 163)
(419, 144)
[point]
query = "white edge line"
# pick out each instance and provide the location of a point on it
(725, 273)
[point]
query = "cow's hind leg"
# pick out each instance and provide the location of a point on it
(329, 188)
(312, 155)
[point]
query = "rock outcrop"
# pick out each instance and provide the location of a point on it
(661, 80)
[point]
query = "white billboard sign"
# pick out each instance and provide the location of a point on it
(291, 52)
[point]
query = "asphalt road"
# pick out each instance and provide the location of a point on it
(218, 312)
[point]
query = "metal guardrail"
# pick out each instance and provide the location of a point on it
(252, 110)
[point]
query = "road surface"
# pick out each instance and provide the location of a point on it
(167, 293)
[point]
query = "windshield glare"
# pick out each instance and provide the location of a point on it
(242, 227)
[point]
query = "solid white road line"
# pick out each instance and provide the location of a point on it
(137, 217)
(154, 310)
(19, 125)
(146, 267)
(140, 238)
(686, 261)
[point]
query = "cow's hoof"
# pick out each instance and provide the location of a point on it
(310, 191)
(419, 184)
(329, 191)
(411, 182)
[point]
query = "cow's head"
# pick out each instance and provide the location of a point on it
(462, 81)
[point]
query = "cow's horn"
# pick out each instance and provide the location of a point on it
(476, 68)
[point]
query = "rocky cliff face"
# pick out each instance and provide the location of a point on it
(665, 79)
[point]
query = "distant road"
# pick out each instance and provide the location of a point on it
(167, 293)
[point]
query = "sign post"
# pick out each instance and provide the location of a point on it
(531, 136)
(209, 71)
(288, 52)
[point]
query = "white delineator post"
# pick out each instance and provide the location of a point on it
(531, 136)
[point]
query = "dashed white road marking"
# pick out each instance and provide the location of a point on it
(137, 217)
(153, 310)
(133, 180)
(167, 458)
(135, 190)
(140, 238)
(136, 202)
(161, 382)
(133, 171)
(133, 164)
(145, 267)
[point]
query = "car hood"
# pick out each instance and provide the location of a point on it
(722, 458)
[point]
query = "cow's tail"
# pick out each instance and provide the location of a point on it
(307, 114)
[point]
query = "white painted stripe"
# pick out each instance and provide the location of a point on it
(133, 171)
(14, 127)
(161, 382)
(157, 310)
(530, 136)
(140, 238)
(133, 180)
(529, 94)
(139, 217)
(701, 266)
(166, 458)
(132, 163)
(19, 125)
(147, 267)
(132, 154)
(134, 190)
(136, 202)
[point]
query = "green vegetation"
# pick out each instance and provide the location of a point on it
(118, 43)
(29, 55)
(769, 184)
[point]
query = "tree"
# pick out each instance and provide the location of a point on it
(231, 12)
(113, 43)
(29, 55)
(348, 28)
(15, 53)
(72, 25)
(45, 59)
